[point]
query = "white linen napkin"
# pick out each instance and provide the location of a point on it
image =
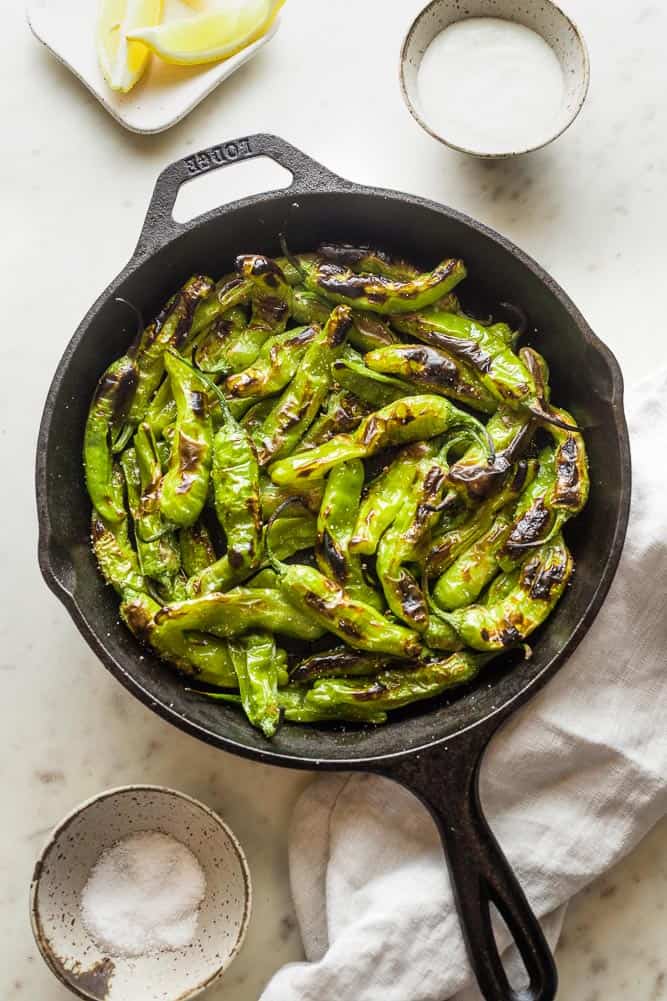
(569, 786)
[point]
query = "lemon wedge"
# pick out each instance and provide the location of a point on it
(124, 61)
(206, 38)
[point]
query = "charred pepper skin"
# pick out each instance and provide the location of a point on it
(463, 582)
(433, 370)
(404, 421)
(275, 366)
(385, 496)
(541, 582)
(335, 524)
(159, 556)
(256, 661)
(220, 348)
(397, 687)
(337, 663)
(235, 612)
(369, 260)
(185, 484)
(109, 406)
(377, 293)
(171, 330)
(299, 404)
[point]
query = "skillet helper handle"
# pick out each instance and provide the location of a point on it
(446, 780)
(160, 225)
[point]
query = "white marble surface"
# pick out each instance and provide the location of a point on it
(592, 208)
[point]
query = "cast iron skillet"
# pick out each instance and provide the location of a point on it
(435, 749)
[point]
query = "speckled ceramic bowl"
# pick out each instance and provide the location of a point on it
(541, 16)
(62, 870)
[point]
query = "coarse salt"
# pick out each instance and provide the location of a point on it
(143, 895)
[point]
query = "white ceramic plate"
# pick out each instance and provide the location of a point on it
(162, 97)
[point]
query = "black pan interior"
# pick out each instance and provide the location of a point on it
(584, 377)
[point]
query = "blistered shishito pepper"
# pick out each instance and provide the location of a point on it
(377, 293)
(369, 260)
(171, 330)
(374, 388)
(510, 432)
(275, 365)
(308, 307)
(343, 413)
(397, 686)
(197, 550)
(271, 295)
(366, 333)
(418, 417)
(336, 663)
(198, 655)
(433, 370)
(256, 661)
(229, 292)
(335, 524)
(109, 405)
(235, 478)
(559, 492)
(541, 582)
(292, 702)
(463, 582)
(158, 555)
(116, 558)
(360, 625)
(486, 350)
(386, 495)
(221, 345)
(151, 525)
(404, 595)
(297, 407)
(185, 484)
(449, 545)
(235, 612)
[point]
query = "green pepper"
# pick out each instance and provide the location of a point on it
(449, 545)
(385, 496)
(335, 524)
(256, 662)
(433, 370)
(397, 687)
(343, 412)
(377, 293)
(510, 432)
(336, 663)
(404, 595)
(378, 390)
(235, 478)
(292, 701)
(463, 582)
(308, 307)
(360, 625)
(368, 260)
(116, 558)
(486, 350)
(297, 407)
(171, 330)
(272, 496)
(221, 343)
(185, 484)
(276, 364)
(235, 612)
(151, 525)
(195, 654)
(229, 292)
(109, 405)
(197, 552)
(158, 556)
(541, 582)
(419, 417)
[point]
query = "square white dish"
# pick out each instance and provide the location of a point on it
(162, 97)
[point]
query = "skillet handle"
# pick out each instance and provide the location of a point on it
(446, 780)
(160, 225)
